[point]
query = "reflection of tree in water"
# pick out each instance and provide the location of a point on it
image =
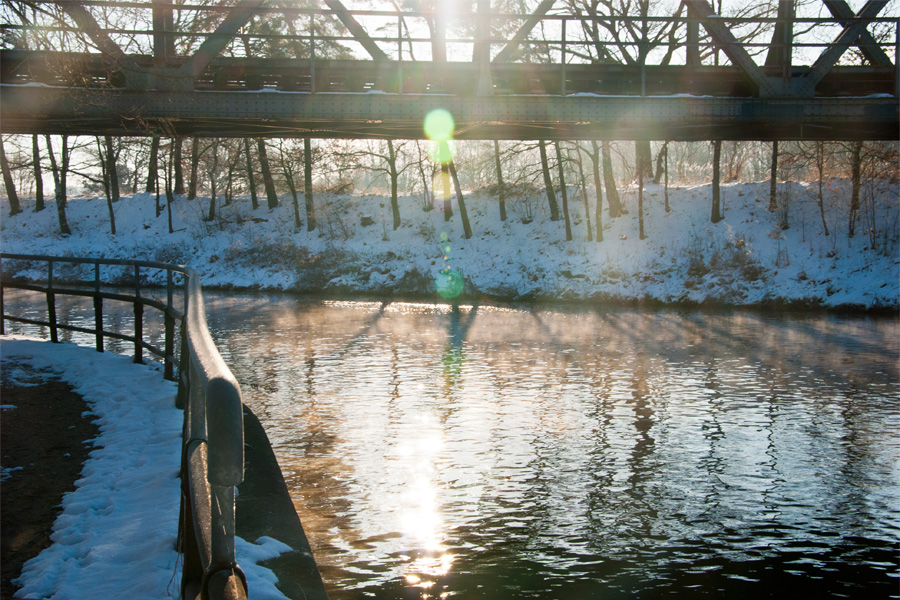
(453, 360)
(640, 462)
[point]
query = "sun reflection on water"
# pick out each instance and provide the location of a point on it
(425, 556)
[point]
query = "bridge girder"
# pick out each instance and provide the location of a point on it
(395, 116)
(111, 92)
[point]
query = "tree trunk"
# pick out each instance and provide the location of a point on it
(773, 178)
(609, 178)
(717, 164)
(159, 208)
(212, 200)
(445, 189)
(660, 159)
(112, 156)
(855, 179)
(171, 169)
(548, 182)
(229, 185)
(307, 185)
(640, 179)
(666, 169)
(392, 170)
(195, 165)
(820, 167)
(153, 166)
(584, 199)
(158, 205)
(643, 158)
(292, 187)
(213, 172)
(104, 167)
(564, 191)
(177, 166)
(461, 202)
(109, 167)
(38, 174)
(501, 187)
(59, 179)
(269, 183)
(14, 206)
(251, 180)
(598, 206)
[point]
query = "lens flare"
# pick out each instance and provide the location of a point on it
(441, 186)
(439, 125)
(449, 283)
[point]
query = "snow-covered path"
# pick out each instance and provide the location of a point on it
(115, 536)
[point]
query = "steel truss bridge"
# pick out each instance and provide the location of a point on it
(325, 70)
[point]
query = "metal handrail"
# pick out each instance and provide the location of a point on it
(213, 435)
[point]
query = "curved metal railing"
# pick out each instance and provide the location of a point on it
(213, 434)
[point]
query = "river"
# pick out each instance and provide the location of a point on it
(499, 452)
(526, 452)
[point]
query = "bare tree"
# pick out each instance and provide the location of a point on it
(38, 174)
(548, 181)
(501, 186)
(289, 160)
(268, 182)
(60, 170)
(716, 215)
(14, 206)
(563, 191)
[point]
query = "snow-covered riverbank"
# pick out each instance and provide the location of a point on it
(746, 259)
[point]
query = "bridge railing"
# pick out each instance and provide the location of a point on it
(213, 436)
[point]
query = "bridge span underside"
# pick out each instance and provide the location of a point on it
(379, 115)
(536, 80)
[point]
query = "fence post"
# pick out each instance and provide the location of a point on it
(138, 318)
(138, 332)
(2, 305)
(98, 308)
(168, 372)
(51, 304)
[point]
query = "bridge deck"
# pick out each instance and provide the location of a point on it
(557, 77)
(52, 110)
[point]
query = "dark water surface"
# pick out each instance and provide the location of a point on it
(513, 452)
(501, 452)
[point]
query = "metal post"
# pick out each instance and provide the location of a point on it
(643, 55)
(897, 58)
(312, 54)
(51, 304)
(138, 318)
(399, 53)
(563, 59)
(170, 330)
(2, 311)
(138, 331)
(98, 308)
(692, 57)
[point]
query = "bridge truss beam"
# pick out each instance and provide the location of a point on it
(104, 90)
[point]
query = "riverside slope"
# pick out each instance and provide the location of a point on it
(747, 259)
